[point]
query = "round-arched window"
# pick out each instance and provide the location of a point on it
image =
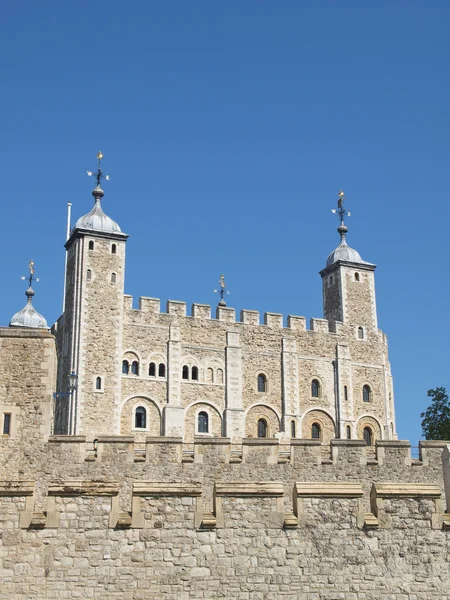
(262, 428)
(316, 431)
(367, 393)
(262, 383)
(140, 418)
(315, 388)
(203, 422)
(368, 436)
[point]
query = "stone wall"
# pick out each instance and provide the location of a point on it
(265, 519)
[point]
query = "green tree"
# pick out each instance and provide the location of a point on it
(436, 419)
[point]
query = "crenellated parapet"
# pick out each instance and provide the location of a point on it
(291, 475)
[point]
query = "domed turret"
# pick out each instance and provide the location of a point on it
(96, 219)
(28, 316)
(344, 252)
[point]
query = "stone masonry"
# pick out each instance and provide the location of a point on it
(204, 458)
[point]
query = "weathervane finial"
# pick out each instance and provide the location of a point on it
(31, 276)
(340, 210)
(222, 291)
(99, 175)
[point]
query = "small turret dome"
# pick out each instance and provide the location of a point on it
(96, 219)
(344, 252)
(28, 316)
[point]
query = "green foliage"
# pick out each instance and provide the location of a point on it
(436, 419)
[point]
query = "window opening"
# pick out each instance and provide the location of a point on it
(89, 275)
(125, 367)
(152, 369)
(6, 423)
(349, 432)
(219, 378)
(113, 249)
(162, 370)
(195, 373)
(262, 383)
(203, 422)
(356, 276)
(91, 245)
(345, 392)
(315, 388)
(135, 367)
(185, 374)
(366, 393)
(315, 431)
(262, 428)
(113, 278)
(367, 434)
(293, 429)
(140, 418)
(98, 383)
(360, 333)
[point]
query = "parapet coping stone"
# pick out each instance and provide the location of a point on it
(68, 439)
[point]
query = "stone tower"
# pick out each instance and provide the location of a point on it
(91, 340)
(348, 285)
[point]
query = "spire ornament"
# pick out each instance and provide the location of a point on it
(28, 316)
(99, 175)
(340, 210)
(30, 278)
(222, 291)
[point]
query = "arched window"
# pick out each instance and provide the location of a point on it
(113, 278)
(315, 388)
(140, 418)
(185, 374)
(135, 367)
(203, 425)
(349, 432)
(152, 369)
(195, 373)
(219, 376)
(209, 375)
(98, 383)
(316, 432)
(262, 383)
(91, 245)
(356, 276)
(330, 280)
(367, 393)
(345, 393)
(367, 434)
(113, 249)
(162, 370)
(88, 275)
(125, 367)
(360, 333)
(262, 428)
(293, 429)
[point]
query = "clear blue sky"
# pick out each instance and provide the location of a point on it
(228, 128)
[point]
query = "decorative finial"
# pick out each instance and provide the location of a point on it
(99, 175)
(30, 278)
(340, 211)
(222, 291)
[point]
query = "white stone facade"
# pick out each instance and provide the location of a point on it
(332, 380)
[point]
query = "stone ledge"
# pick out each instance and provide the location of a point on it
(392, 443)
(212, 441)
(332, 489)
(258, 489)
(163, 440)
(16, 488)
(350, 443)
(67, 439)
(260, 441)
(115, 439)
(405, 490)
(79, 487)
(156, 488)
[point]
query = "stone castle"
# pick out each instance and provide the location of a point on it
(150, 454)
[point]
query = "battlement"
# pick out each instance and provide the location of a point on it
(226, 314)
(289, 473)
